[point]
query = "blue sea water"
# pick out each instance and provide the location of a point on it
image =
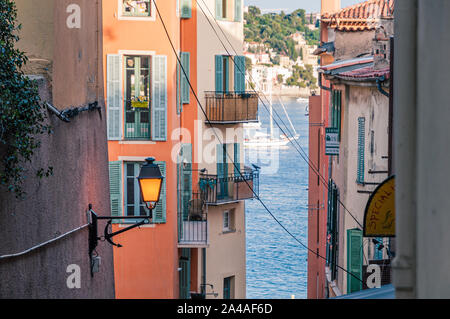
(276, 263)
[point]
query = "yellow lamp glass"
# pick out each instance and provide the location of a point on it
(150, 189)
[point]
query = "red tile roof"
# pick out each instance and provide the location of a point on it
(365, 73)
(360, 17)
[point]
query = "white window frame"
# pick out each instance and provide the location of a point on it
(124, 160)
(152, 16)
(228, 219)
(123, 54)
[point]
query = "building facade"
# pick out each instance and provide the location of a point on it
(45, 235)
(318, 173)
(196, 241)
(359, 117)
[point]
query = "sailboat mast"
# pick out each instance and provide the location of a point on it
(271, 112)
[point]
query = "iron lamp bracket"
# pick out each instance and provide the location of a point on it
(107, 235)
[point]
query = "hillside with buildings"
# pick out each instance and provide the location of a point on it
(279, 51)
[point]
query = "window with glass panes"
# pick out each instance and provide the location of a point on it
(134, 206)
(139, 8)
(137, 97)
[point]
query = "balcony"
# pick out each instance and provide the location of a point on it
(137, 131)
(193, 223)
(217, 190)
(231, 107)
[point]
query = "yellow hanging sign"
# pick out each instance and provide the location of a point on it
(379, 216)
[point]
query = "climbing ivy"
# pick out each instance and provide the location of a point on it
(22, 116)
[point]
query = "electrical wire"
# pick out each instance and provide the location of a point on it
(229, 156)
(291, 140)
(44, 243)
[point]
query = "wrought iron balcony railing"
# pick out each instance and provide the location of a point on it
(217, 190)
(137, 130)
(231, 107)
(193, 223)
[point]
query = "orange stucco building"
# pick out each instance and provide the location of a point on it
(141, 90)
(196, 240)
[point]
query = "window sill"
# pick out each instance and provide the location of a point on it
(124, 224)
(137, 142)
(136, 18)
(231, 231)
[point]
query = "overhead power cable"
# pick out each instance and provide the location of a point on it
(293, 141)
(238, 169)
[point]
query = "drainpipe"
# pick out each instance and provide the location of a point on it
(204, 272)
(323, 87)
(380, 81)
(405, 105)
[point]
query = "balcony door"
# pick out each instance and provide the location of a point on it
(222, 172)
(137, 97)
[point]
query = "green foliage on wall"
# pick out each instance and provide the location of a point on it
(21, 113)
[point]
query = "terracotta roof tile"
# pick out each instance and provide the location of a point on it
(360, 17)
(365, 73)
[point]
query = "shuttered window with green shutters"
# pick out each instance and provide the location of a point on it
(179, 104)
(237, 158)
(336, 111)
(332, 228)
(219, 73)
(186, 179)
(186, 9)
(185, 273)
(134, 206)
(361, 149)
(185, 90)
(354, 259)
(159, 213)
(115, 188)
(219, 9)
(159, 98)
(239, 74)
(114, 97)
(222, 171)
(238, 10)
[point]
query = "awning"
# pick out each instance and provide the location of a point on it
(385, 292)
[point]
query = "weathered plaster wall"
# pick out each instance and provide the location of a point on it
(361, 42)
(53, 206)
(77, 151)
(36, 35)
(369, 103)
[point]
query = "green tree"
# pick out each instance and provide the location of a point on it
(22, 117)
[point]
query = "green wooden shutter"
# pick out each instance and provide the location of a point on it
(339, 110)
(186, 9)
(239, 74)
(227, 74)
(361, 148)
(238, 10)
(237, 159)
(185, 273)
(222, 171)
(115, 188)
(159, 213)
(159, 98)
(354, 259)
(219, 13)
(185, 90)
(114, 97)
(378, 253)
(179, 104)
(219, 73)
(186, 180)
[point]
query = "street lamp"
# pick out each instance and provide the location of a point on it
(150, 181)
